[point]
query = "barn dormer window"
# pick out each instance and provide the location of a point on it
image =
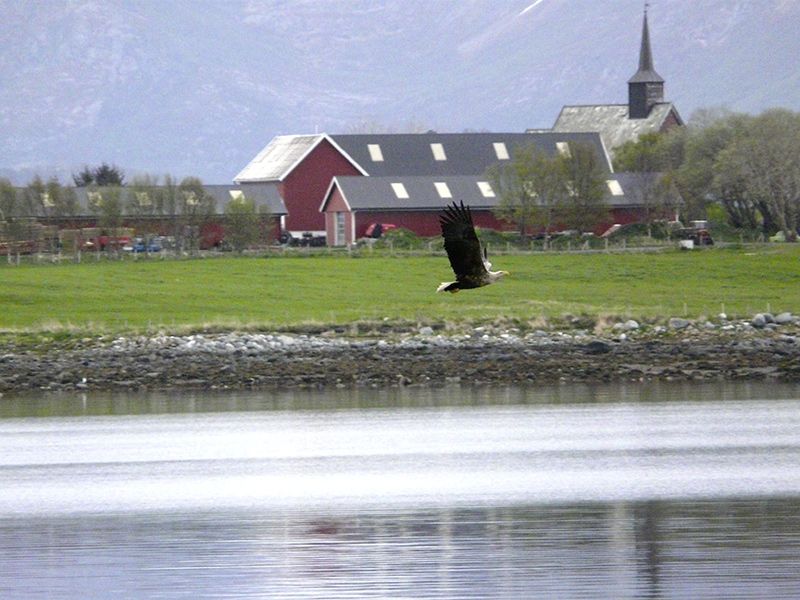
(486, 189)
(400, 191)
(438, 152)
(563, 149)
(443, 189)
(501, 151)
(614, 187)
(375, 152)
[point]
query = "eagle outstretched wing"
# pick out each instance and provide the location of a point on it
(461, 243)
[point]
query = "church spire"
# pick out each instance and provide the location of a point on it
(646, 87)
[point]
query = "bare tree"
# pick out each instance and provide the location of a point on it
(242, 222)
(767, 157)
(585, 205)
(195, 208)
(531, 189)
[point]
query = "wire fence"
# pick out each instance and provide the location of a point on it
(387, 249)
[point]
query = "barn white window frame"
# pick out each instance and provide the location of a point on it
(375, 152)
(501, 151)
(486, 189)
(443, 189)
(400, 190)
(614, 187)
(438, 152)
(563, 149)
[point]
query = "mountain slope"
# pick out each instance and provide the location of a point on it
(198, 87)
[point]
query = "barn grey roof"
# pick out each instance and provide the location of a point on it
(448, 154)
(409, 153)
(612, 122)
(636, 186)
(426, 192)
(264, 196)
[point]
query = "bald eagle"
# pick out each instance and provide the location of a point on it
(469, 262)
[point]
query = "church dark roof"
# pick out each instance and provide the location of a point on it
(612, 122)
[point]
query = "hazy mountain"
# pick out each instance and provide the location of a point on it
(197, 87)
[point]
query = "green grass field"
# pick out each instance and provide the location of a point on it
(280, 292)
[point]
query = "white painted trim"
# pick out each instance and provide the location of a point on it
(310, 149)
(345, 154)
(293, 166)
(609, 162)
(327, 196)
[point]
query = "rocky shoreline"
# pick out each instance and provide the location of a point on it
(761, 348)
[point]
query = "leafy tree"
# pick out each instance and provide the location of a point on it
(107, 175)
(34, 198)
(107, 204)
(60, 201)
(530, 188)
(83, 178)
(585, 205)
(8, 200)
(103, 176)
(11, 227)
(694, 177)
(644, 159)
(762, 164)
(142, 200)
(195, 207)
(242, 222)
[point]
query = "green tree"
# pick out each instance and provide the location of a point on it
(530, 189)
(762, 163)
(104, 175)
(242, 223)
(61, 201)
(107, 205)
(644, 160)
(585, 206)
(84, 177)
(701, 142)
(34, 198)
(195, 208)
(8, 200)
(108, 175)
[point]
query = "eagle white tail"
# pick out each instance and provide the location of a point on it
(444, 285)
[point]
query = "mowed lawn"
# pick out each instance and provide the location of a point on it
(275, 292)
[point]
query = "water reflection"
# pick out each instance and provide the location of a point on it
(662, 491)
(733, 549)
(125, 403)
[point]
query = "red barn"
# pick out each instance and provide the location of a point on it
(303, 166)
(352, 204)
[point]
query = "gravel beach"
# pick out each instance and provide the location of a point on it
(761, 348)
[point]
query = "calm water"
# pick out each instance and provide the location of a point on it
(660, 491)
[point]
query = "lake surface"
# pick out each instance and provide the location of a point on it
(640, 491)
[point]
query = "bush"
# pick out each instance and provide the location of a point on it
(400, 238)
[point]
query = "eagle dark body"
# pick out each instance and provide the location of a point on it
(463, 248)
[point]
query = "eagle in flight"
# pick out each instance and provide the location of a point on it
(469, 261)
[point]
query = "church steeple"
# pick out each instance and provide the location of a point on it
(646, 87)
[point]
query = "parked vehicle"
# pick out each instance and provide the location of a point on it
(107, 242)
(376, 230)
(700, 237)
(140, 245)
